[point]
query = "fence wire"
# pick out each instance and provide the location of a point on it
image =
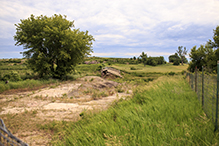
(206, 88)
(8, 139)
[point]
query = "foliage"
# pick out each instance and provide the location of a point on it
(133, 68)
(171, 73)
(54, 48)
(12, 76)
(176, 62)
(206, 55)
(144, 57)
(175, 59)
(182, 53)
(153, 61)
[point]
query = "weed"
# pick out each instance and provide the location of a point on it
(120, 89)
(52, 86)
(133, 68)
(91, 79)
(34, 112)
(38, 97)
(64, 95)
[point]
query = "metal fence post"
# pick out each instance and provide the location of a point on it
(203, 87)
(196, 87)
(216, 124)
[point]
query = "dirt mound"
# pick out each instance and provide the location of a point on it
(98, 82)
(92, 84)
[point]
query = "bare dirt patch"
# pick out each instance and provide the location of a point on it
(24, 112)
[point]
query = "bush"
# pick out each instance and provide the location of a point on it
(176, 62)
(99, 68)
(12, 76)
(183, 72)
(133, 68)
(171, 73)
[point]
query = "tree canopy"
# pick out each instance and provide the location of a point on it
(53, 46)
(182, 53)
(144, 57)
(206, 55)
(175, 59)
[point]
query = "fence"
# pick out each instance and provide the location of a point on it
(6, 138)
(206, 87)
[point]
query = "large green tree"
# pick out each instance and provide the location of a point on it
(53, 46)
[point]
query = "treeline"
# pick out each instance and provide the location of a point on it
(153, 61)
(206, 55)
(10, 60)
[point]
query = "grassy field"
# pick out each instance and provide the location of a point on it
(164, 112)
(147, 69)
(29, 80)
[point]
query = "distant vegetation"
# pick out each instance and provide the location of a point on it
(20, 76)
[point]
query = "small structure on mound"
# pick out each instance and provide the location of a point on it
(109, 72)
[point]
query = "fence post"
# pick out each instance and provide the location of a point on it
(203, 87)
(196, 87)
(189, 79)
(216, 124)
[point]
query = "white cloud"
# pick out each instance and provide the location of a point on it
(103, 54)
(138, 24)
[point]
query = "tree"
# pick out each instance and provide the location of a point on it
(53, 46)
(216, 38)
(174, 57)
(181, 53)
(144, 57)
(197, 58)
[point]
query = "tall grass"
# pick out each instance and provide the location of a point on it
(164, 113)
(30, 84)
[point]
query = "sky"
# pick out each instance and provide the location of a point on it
(121, 28)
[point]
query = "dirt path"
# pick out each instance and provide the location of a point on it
(62, 103)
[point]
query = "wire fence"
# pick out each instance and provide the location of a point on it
(206, 87)
(8, 139)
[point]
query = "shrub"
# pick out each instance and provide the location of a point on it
(133, 68)
(183, 72)
(171, 73)
(176, 62)
(99, 68)
(12, 76)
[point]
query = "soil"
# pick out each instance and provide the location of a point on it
(64, 102)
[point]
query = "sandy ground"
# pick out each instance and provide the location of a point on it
(63, 103)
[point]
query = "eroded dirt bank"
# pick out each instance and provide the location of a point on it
(63, 103)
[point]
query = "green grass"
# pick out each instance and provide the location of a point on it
(165, 112)
(147, 69)
(30, 84)
(28, 75)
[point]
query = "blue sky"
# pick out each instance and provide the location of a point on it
(122, 28)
